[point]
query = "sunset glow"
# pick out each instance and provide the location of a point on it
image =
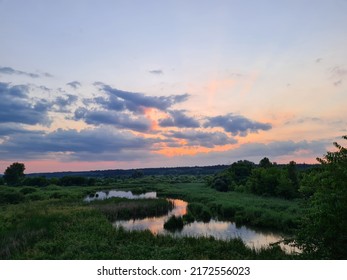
(171, 83)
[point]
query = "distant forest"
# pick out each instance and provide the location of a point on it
(193, 170)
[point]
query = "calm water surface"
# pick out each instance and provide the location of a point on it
(123, 194)
(218, 229)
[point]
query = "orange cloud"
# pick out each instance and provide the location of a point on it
(187, 150)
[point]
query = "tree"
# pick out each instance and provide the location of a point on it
(14, 174)
(221, 183)
(323, 233)
(265, 163)
(240, 171)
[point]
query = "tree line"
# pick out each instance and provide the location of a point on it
(265, 179)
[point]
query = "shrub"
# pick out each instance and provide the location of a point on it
(10, 197)
(174, 223)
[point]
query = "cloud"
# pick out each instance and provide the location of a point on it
(338, 83)
(276, 151)
(61, 102)
(236, 124)
(74, 84)
(17, 107)
(156, 72)
(7, 129)
(200, 138)
(136, 102)
(178, 118)
(11, 71)
(117, 119)
(88, 144)
(302, 120)
(338, 73)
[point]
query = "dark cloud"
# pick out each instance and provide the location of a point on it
(74, 84)
(17, 107)
(136, 102)
(156, 72)
(89, 144)
(61, 103)
(117, 119)
(200, 138)
(11, 71)
(178, 118)
(236, 124)
(7, 129)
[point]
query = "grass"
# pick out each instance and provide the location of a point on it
(123, 209)
(54, 223)
(243, 208)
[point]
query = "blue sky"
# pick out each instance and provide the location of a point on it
(123, 84)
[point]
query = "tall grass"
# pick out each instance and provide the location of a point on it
(123, 209)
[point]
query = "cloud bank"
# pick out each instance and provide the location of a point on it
(124, 126)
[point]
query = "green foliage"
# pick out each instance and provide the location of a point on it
(240, 171)
(14, 174)
(10, 196)
(27, 190)
(36, 181)
(323, 233)
(265, 163)
(220, 183)
(199, 211)
(137, 174)
(73, 181)
(174, 223)
(123, 209)
(274, 181)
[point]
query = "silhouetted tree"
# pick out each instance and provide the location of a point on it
(265, 163)
(14, 174)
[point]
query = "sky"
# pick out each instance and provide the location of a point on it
(101, 84)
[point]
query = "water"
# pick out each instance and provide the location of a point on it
(123, 194)
(223, 230)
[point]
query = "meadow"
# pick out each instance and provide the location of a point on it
(54, 222)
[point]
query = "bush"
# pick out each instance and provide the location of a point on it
(10, 197)
(27, 190)
(36, 181)
(199, 211)
(174, 223)
(221, 183)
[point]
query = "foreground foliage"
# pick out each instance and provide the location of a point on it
(323, 233)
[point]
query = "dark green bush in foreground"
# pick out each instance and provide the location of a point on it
(174, 223)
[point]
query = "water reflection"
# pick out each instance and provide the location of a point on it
(218, 229)
(155, 224)
(101, 195)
